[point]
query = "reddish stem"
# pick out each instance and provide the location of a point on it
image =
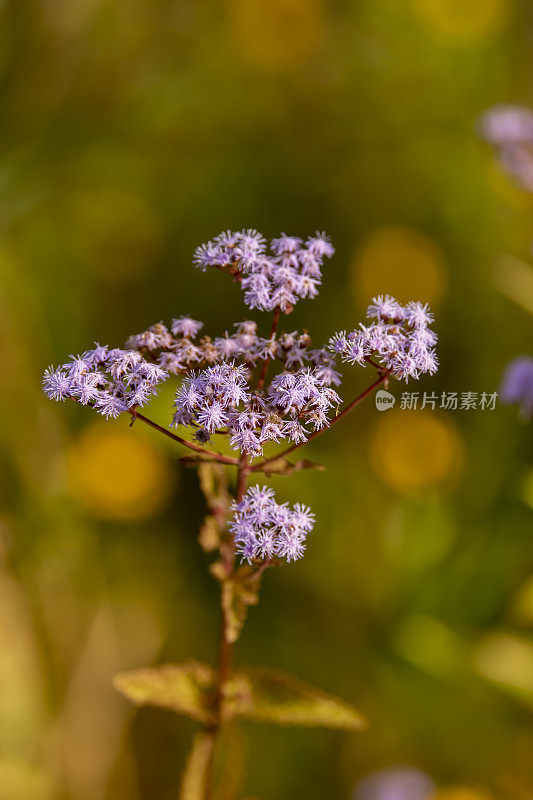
(315, 434)
(225, 648)
(266, 362)
(218, 457)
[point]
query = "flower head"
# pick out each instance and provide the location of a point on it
(263, 528)
(111, 381)
(400, 339)
(275, 280)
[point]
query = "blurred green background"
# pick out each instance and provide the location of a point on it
(131, 132)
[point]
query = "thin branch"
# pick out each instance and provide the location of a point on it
(218, 457)
(258, 572)
(346, 410)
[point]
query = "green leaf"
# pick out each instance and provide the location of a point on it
(185, 688)
(281, 466)
(270, 696)
(196, 773)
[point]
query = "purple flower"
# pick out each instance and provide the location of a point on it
(186, 327)
(212, 416)
(418, 315)
(269, 281)
(109, 405)
(320, 245)
(264, 528)
(401, 339)
(56, 384)
(285, 244)
(386, 308)
(517, 385)
(109, 380)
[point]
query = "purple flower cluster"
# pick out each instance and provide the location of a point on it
(218, 399)
(224, 388)
(510, 130)
(111, 381)
(400, 339)
(517, 385)
(177, 353)
(263, 528)
(276, 280)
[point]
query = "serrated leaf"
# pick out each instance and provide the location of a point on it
(184, 688)
(282, 466)
(271, 696)
(196, 773)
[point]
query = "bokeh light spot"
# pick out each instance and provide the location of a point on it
(415, 450)
(470, 21)
(118, 475)
(508, 661)
(398, 261)
(522, 606)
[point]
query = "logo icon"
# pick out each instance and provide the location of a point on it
(384, 400)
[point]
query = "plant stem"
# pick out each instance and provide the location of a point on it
(346, 410)
(225, 647)
(218, 457)
(266, 362)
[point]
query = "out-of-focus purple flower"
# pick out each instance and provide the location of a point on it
(517, 385)
(396, 783)
(505, 124)
(510, 130)
(400, 339)
(263, 528)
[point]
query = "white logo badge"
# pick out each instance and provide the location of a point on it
(384, 400)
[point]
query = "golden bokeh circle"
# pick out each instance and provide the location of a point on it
(399, 261)
(415, 450)
(469, 21)
(117, 474)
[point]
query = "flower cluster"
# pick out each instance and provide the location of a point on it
(111, 381)
(249, 388)
(263, 528)
(218, 399)
(276, 280)
(510, 130)
(517, 387)
(224, 388)
(400, 339)
(178, 351)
